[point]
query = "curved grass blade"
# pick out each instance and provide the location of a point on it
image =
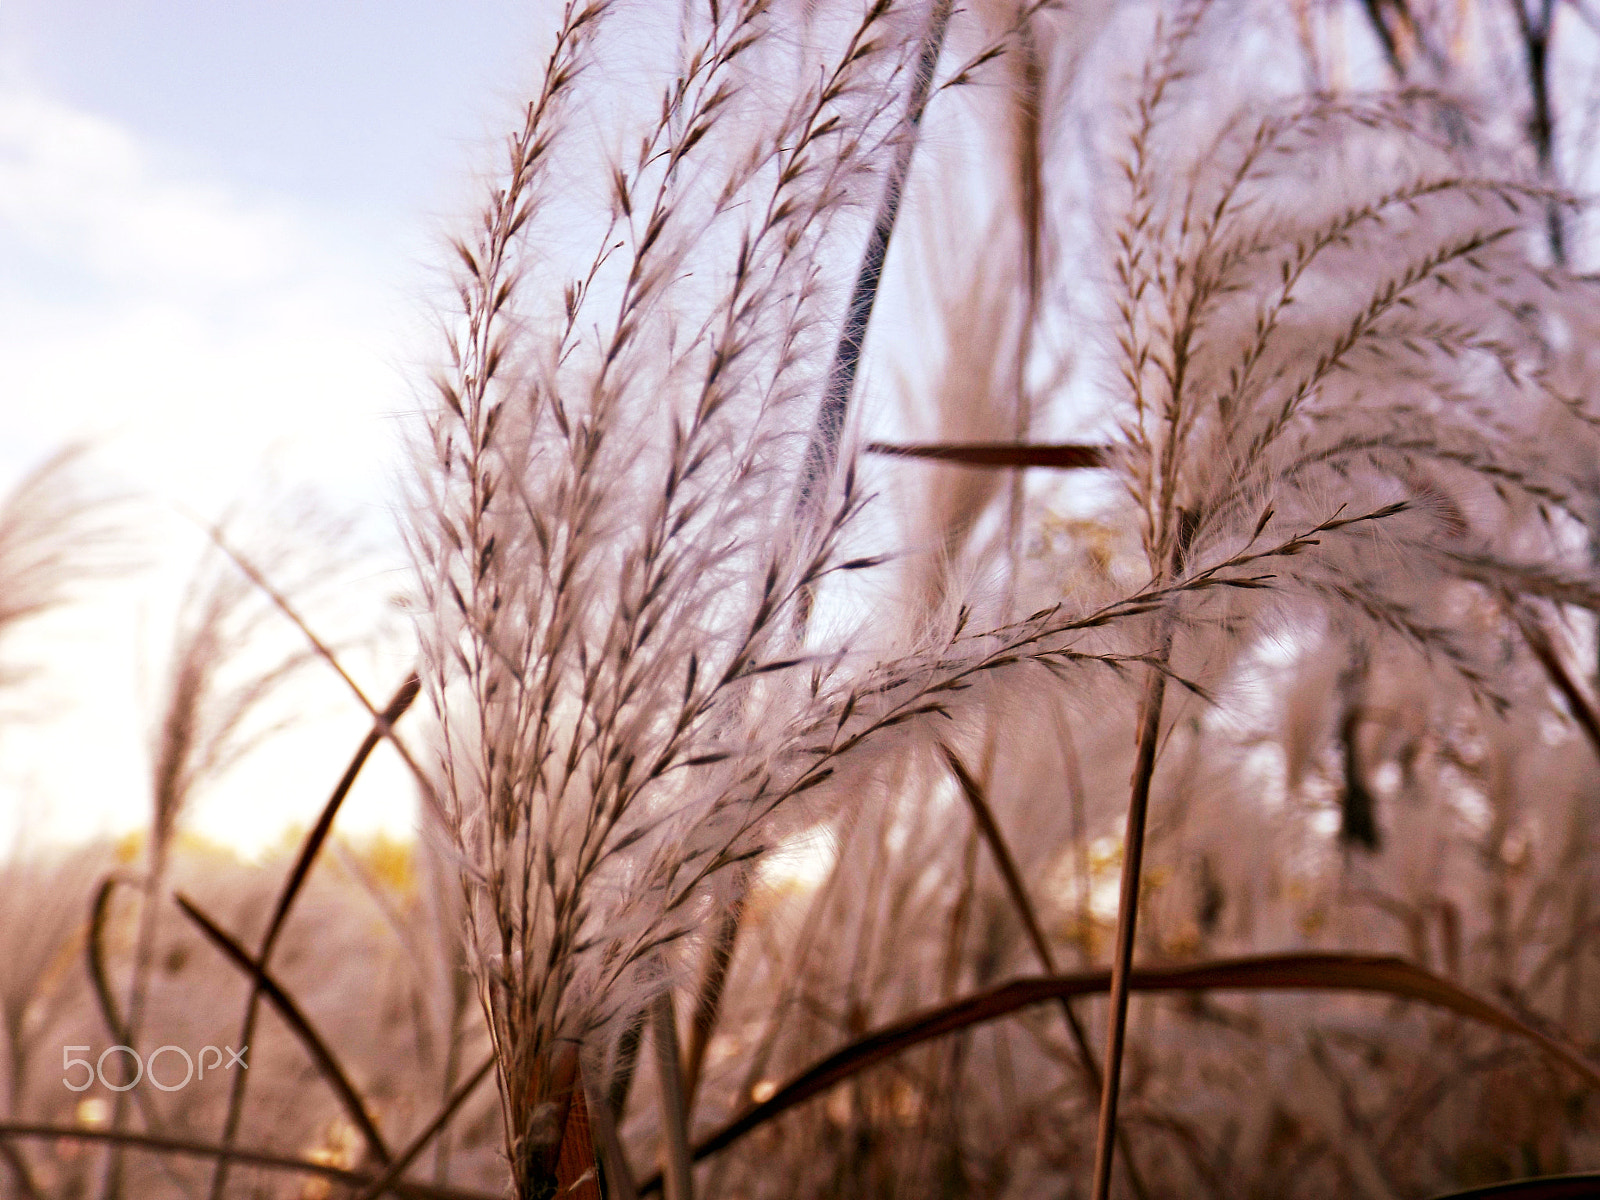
(1009, 455)
(100, 979)
(94, 948)
(420, 1143)
(398, 704)
(298, 1022)
(1376, 974)
(248, 1158)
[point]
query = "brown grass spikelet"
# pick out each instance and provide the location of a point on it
(613, 637)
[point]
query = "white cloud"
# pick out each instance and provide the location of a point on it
(202, 331)
(192, 402)
(84, 190)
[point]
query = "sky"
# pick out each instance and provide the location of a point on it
(219, 232)
(215, 218)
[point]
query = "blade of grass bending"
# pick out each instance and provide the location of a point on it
(100, 979)
(94, 949)
(983, 815)
(323, 651)
(420, 1143)
(1376, 974)
(398, 704)
(1006, 455)
(249, 1158)
(298, 1022)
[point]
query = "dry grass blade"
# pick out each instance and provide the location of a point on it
(1144, 768)
(94, 950)
(430, 1131)
(407, 1189)
(984, 817)
(298, 1023)
(100, 978)
(1065, 456)
(397, 707)
(1376, 974)
(399, 703)
(323, 651)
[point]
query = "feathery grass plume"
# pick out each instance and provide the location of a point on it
(607, 538)
(600, 552)
(1295, 350)
(53, 534)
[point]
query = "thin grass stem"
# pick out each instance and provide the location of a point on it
(1144, 768)
(399, 703)
(679, 1168)
(299, 1024)
(984, 818)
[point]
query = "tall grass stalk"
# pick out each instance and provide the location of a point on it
(1214, 403)
(605, 541)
